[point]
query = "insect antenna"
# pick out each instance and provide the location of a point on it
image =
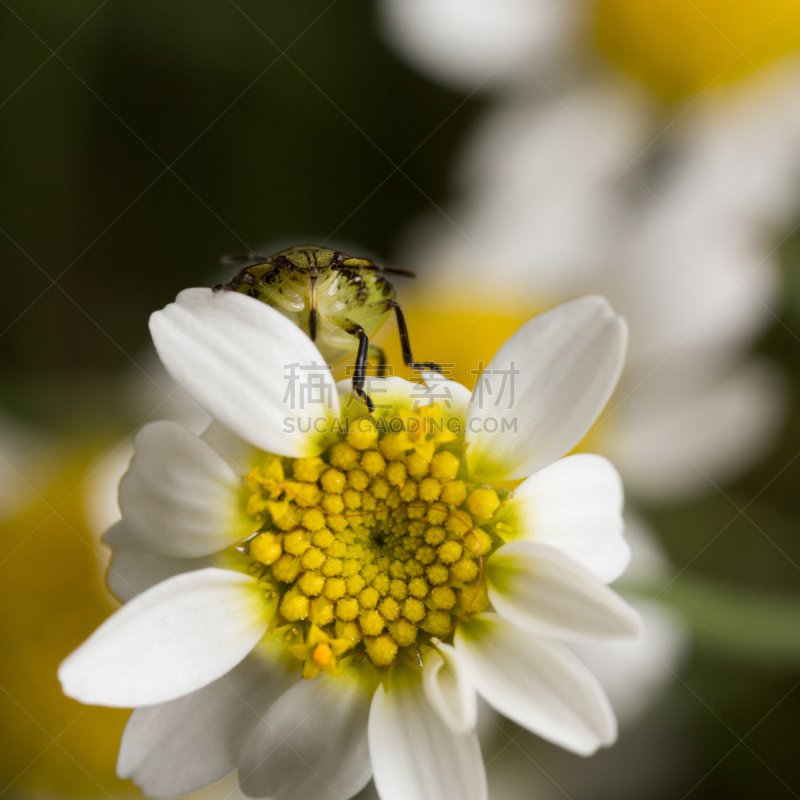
(406, 273)
(236, 258)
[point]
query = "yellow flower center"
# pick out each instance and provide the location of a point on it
(679, 47)
(376, 546)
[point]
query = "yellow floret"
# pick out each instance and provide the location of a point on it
(313, 519)
(381, 584)
(352, 499)
(418, 587)
(311, 583)
(337, 549)
(382, 650)
(395, 445)
(413, 609)
(449, 552)
(333, 481)
(335, 588)
(322, 654)
(397, 570)
(313, 558)
(323, 538)
(358, 479)
(363, 434)
(302, 494)
(308, 470)
(483, 502)
(389, 608)
(379, 487)
(438, 573)
(372, 623)
(294, 607)
(347, 609)
(355, 583)
(437, 623)
(368, 598)
(443, 598)
(416, 465)
(396, 473)
(445, 465)
(266, 548)
(349, 632)
(372, 462)
(425, 555)
(321, 614)
(437, 514)
(435, 535)
(403, 632)
(454, 493)
(296, 542)
(409, 491)
(284, 515)
(351, 566)
(398, 590)
(286, 568)
(464, 571)
(478, 543)
(331, 567)
(414, 568)
(343, 456)
(337, 524)
(458, 522)
(369, 572)
(429, 490)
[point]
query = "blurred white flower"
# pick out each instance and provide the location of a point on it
(593, 186)
(241, 581)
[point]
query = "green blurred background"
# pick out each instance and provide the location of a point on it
(142, 140)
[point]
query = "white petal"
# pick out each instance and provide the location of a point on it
(539, 684)
(133, 568)
(449, 689)
(415, 755)
(693, 434)
(466, 43)
(565, 365)
(179, 497)
(235, 356)
(172, 639)
(311, 743)
(575, 506)
(545, 592)
(179, 747)
(241, 456)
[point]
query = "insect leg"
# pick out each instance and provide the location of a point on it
(376, 354)
(360, 370)
(312, 312)
(405, 343)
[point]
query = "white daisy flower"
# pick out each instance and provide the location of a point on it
(316, 596)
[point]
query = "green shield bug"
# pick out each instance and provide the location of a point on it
(338, 300)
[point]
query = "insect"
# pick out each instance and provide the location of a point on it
(338, 300)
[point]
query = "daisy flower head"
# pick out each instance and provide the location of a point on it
(315, 595)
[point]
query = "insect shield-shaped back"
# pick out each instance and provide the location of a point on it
(340, 301)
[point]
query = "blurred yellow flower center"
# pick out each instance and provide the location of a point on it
(679, 47)
(375, 546)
